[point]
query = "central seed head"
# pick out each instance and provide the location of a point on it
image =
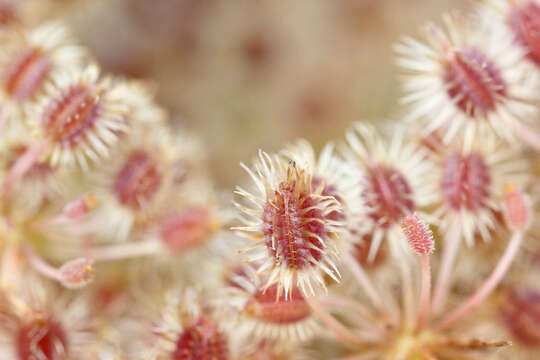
(68, 119)
(294, 225)
(25, 73)
(388, 194)
(525, 23)
(201, 341)
(268, 306)
(466, 182)
(41, 338)
(138, 180)
(474, 81)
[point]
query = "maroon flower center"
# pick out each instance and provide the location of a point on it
(266, 306)
(41, 339)
(294, 226)
(138, 180)
(521, 316)
(474, 81)
(68, 119)
(201, 341)
(388, 194)
(465, 182)
(186, 230)
(525, 24)
(26, 72)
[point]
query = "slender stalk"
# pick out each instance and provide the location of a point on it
(23, 164)
(41, 266)
(342, 334)
(451, 247)
(364, 281)
(425, 293)
(336, 300)
(124, 251)
(407, 293)
(487, 286)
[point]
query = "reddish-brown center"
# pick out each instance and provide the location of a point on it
(138, 180)
(525, 23)
(186, 230)
(389, 195)
(465, 182)
(293, 227)
(473, 81)
(521, 316)
(41, 339)
(201, 341)
(25, 73)
(266, 306)
(68, 119)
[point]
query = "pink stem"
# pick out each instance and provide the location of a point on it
(407, 293)
(41, 265)
(124, 251)
(451, 246)
(425, 293)
(488, 286)
(343, 335)
(338, 301)
(362, 278)
(23, 164)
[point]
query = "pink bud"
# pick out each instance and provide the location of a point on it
(77, 273)
(80, 207)
(516, 208)
(418, 234)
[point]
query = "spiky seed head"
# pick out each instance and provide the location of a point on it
(138, 180)
(266, 314)
(388, 194)
(295, 224)
(465, 182)
(473, 79)
(524, 21)
(418, 234)
(201, 340)
(82, 115)
(466, 78)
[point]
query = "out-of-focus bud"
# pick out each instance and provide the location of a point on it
(80, 207)
(516, 208)
(418, 234)
(77, 273)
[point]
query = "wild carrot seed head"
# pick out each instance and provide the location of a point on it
(295, 223)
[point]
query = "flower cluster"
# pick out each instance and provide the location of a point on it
(115, 244)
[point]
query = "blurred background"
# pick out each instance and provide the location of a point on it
(249, 74)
